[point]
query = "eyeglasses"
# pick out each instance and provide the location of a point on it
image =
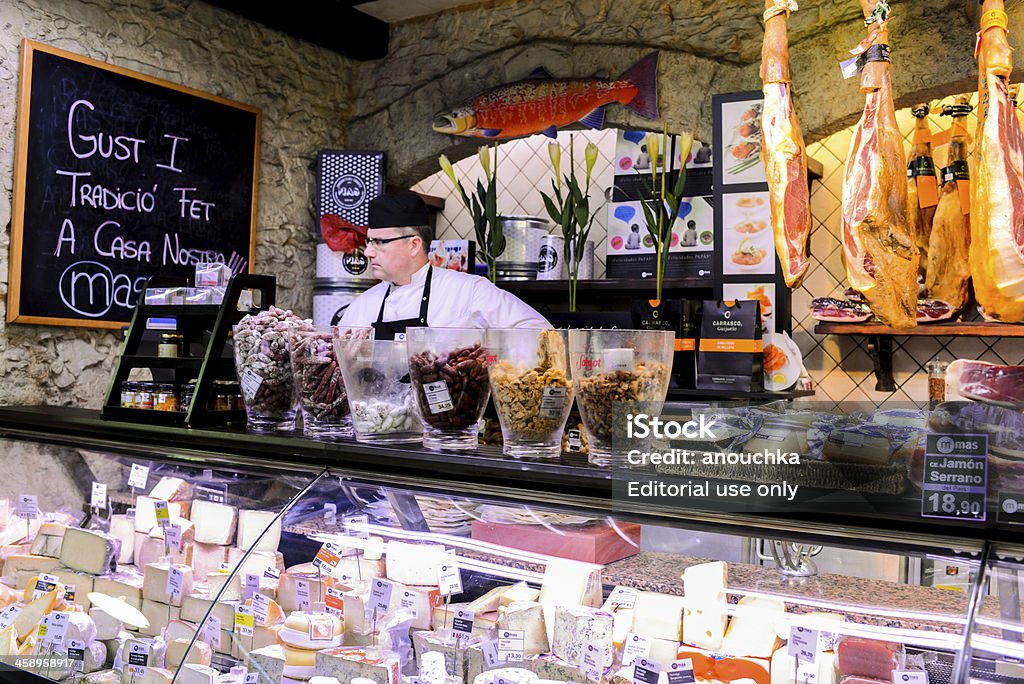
(380, 242)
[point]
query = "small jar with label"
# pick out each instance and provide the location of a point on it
(187, 393)
(220, 400)
(146, 395)
(171, 345)
(936, 382)
(166, 398)
(127, 394)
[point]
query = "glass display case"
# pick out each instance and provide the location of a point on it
(163, 554)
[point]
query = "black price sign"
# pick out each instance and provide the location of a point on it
(211, 492)
(955, 477)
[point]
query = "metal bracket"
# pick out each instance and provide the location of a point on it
(880, 349)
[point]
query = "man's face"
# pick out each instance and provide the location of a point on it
(391, 261)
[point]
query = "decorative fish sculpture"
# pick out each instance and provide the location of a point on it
(541, 104)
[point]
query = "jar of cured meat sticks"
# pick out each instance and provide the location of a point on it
(321, 388)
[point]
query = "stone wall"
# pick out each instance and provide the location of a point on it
(303, 92)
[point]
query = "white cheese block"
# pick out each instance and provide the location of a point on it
(145, 512)
(178, 651)
(658, 616)
(171, 489)
(89, 551)
(529, 617)
(489, 602)
(107, 627)
(193, 609)
(179, 629)
(23, 562)
(257, 562)
(81, 582)
(126, 585)
(349, 663)
(192, 673)
(577, 628)
(416, 564)
(623, 625)
(518, 592)
(287, 591)
(147, 549)
(704, 624)
(154, 583)
(352, 570)
(231, 585)
(507, 675)
(751, 629)
(420, 601)
(48, 540)
(152, 675)
(568, 583)
(154, 648)
(261, 638)
(663, 652)
(101, 677)
(206, 558)
(123, 527)
(356, 619)
(822, 671)
(159, 615)
(215, 523)
(269, 661)
(706, 581)
(251, 525)
(188, 530)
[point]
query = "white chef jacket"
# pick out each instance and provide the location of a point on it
(457, 300)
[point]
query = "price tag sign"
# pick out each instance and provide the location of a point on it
(681, 672)
(593, 667)
(955, 484)
(28, 506)
(163, 513)
(511, 645)
(621, 597)
(355, 526)
(302, 594)
(69, 593)
(334, 602)
(252, 585)
(224, 568)
(58, 628)
(211, 632)
(251, 678)
(491, 656)
(635, 646)
(173, 535)
(8, 616)
(99, 495)
(463, 622)
(327, 558)
(214, 493)
(260, 608)
(803, 643)
(245, 621)
(909, 677)
(449, 578)
(138, 476)
(175, 581)
(645, 671)
(272, 573)
(380, 596)
(439, 400)
(76, 653)
(138, 654)
(44, 584)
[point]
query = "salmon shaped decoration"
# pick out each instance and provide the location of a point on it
(541, 104)
(879, 250)
(783, 152)
(997, 195)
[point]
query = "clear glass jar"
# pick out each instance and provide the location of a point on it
(146, 395)
(167, 398)
(936, 382)
(171, 345)
(127, 395)
(187, 393)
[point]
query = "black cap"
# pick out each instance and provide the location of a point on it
(399, 210)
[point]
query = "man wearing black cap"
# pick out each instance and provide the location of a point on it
(412, 293)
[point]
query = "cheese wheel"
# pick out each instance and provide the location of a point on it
(314, 631)
(299, 663)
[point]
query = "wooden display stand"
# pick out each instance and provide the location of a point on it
(205, 325)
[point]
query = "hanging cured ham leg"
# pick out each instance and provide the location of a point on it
(880, 251)
(785, 159)
(922, 189)
(997, 198)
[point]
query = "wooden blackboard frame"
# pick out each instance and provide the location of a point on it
(29, 48)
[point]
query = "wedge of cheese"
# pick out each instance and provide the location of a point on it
(206, 558)
(154, 583)
(89, 551)
(527, 616)
(171, 489)
(145, 512)
(107, 627)
(568, 583)
(48, 540)
(230, 584)
(32, 613)
(215, 523)
(274, 614)
(751, 630)
(518, 592)
(257, 562)
(269, 661)
(191, 673)
(193, 609)
(123, 528)
(8, 642)
(705, 617)
(288, 587)
(261, 638)
(420, 601)
(347, 664)
(489, 602)
(19, 563)
(658, 616)
(178, 652)
(251, 525)
(159, 616)
(179, 629)
(579, 628)
(125, 584)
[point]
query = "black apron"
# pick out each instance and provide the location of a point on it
(396, 329)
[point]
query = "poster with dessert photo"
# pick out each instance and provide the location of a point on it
(748, 246)
(763, 292)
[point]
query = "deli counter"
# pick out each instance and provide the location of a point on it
(135, 553)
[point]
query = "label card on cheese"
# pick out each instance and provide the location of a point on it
(211, 632)
(955, 477)
(462, 623)
(333, 601)
(99, 495)
(251, 678)
(644, 671)
(355, 526)
(8, 615)
(138, 654)
(592, 667)
(214, 493)
(511, 645)
(635, 646)
(224, 567)
(28, 506)
(327, 558)
(803, 643)
(321, 628)
(163, 513)
(449, 579)
(260, 608)
(621, 597)
(491, 655)
(136, 672)
(272, 573)
(245, 621)
(909, 677)
(76, 654)
(302, 594)
(138, 476)
(173, 536)
(681, 672)
(58, 628)
(175, 581)
(252, 585)
(380, 596)
(44, 583)
(69, 593)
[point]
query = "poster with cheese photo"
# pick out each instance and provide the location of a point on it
(748, 246)
(763, 292)
(741, 143)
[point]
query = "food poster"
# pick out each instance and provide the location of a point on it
(741, 143)
(699, 168)
(630, 248)
(764, 292)
(455, 255)
(748, 245)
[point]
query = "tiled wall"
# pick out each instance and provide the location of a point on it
(840, 366)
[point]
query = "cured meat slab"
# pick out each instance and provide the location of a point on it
(987, 382)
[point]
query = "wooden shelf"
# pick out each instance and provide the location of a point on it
(952, 329)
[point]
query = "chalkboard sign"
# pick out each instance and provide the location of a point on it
(118, 177)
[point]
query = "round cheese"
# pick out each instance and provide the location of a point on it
(299, 663)
(314, 631)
